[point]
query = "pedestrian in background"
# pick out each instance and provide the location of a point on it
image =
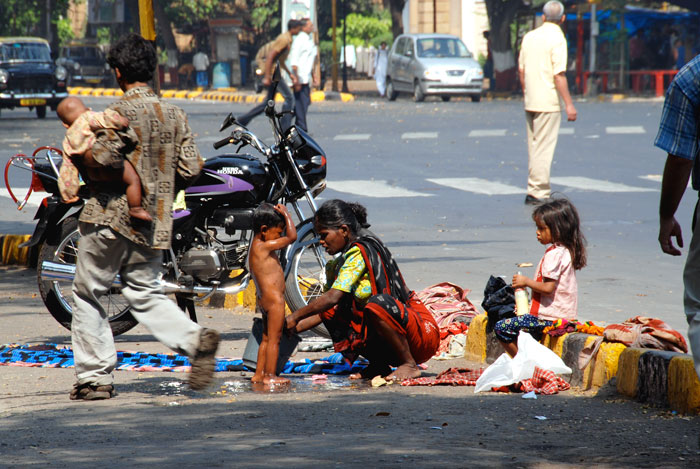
(278, 51)
(679, 137)
(200, 61)
(380, 64)
(542, 71)
(302, 57)
(111, 245)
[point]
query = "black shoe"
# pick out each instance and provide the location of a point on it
(530, 200)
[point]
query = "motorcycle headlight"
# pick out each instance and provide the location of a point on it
(4, 76)
(76, 66)
(60, 73)
(432, 74)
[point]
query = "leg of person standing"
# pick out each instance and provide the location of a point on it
(542, 135)
(691, 294)
(245, 119)
(302, 100)
(288, 105)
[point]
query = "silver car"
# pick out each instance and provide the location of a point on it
(432, 64)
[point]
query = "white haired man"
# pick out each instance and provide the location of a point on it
(542, 71)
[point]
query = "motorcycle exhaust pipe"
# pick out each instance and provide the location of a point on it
(52, 271)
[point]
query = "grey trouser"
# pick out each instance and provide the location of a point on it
(102, 254)
(542, 135)
(691, 295)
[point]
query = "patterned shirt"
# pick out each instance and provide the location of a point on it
(678, 130)
(352, 276)
(167, 154)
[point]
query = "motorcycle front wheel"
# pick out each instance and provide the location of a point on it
(57, 294)
(307, 276)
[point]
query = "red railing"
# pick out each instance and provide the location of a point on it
(639, 80)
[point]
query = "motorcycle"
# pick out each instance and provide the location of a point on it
(211, 236)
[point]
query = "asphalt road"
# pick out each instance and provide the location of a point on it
(444, 186)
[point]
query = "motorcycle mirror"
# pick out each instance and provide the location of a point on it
(228, 122)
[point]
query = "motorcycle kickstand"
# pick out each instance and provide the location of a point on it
(187, 305)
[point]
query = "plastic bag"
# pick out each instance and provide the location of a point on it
(506, 371)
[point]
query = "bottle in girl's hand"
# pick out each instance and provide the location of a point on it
(522, 302)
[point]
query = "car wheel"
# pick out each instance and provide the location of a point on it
(418, 94)
(476, 98)
(41, 112)
(445, 98)
(390, 91)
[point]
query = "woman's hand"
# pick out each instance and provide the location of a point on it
(290, 325)
(520, 281)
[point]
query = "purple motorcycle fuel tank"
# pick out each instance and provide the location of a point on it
(240, 180)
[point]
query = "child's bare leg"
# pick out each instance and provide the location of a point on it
(275, 324)
(262, 353)
(511, 348)
(133, 193)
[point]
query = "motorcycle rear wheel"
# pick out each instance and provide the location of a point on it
(57, 294)
(306, 277)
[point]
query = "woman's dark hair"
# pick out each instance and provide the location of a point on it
(265, 214)
(561, 217)
(335, 213)
(134, 56)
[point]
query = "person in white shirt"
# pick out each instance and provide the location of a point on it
(380, 63)
(200, 61)
(301, 60)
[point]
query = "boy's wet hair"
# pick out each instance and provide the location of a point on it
(134, 56)
(266, 215)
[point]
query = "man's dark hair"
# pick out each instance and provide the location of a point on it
(266, 215)
(293, 24)
(134, 56)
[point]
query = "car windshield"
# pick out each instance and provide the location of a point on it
(442, 47)
(25, 51)
(84, 52)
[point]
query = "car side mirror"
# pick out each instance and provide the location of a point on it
(409, 53)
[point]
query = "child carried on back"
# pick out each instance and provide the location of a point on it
(82, 123)
(269, 224)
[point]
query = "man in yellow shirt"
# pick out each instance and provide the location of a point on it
(542, 70)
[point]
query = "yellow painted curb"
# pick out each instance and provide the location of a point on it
(606, 363)
(628, 371)
(318, 96)
(345, 97)
(12, 253)
(167, 93)
(475, 349)
(555, 343)
(683, 385)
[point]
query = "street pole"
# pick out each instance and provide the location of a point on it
(334, 65)
(593, 40)
(345, 50)
(148, 31)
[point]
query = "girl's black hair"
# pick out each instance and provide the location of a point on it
(134, 56)
(335, 213)
(266, 215)
(561, 217)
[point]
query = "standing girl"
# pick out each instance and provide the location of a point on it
(554, 288)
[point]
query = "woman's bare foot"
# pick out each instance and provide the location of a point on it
(405, 371)
(275, 380)
(257, 378)
(371, 371)
(140, 214)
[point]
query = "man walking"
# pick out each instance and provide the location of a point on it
(279, 50)
(542, 71)
(678, 136)
(112, 243)
(301, 60)
(200, 61)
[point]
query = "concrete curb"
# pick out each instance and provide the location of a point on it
(222, 94)
(657, 377)
(12, 254)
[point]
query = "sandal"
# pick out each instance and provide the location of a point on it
(91, 392)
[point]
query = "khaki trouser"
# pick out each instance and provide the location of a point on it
(102, 254)
(691, 295)
(542, 135)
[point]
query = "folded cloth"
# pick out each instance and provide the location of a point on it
(448, 303)
(452, 376)
(645, 332)
(543, 382)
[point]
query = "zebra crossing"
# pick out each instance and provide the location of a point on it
(499, 133)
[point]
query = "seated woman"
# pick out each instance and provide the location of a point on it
(367, 307)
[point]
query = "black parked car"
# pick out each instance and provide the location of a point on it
(28, 76)
(86, 64)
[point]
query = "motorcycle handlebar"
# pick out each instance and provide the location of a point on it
(222, 142)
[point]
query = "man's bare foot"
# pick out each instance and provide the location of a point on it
(403, 372)
(275, 380)
(257, 378)
(371, 371)
(140, 214)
